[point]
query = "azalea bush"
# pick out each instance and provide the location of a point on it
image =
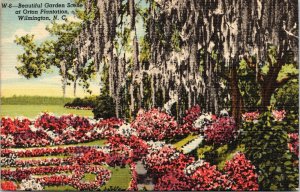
(138, 146)
(154, 125)
(165, 160)
(241, 174)
(223, 130)
(191, 115)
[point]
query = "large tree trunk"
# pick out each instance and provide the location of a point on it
(236, 98)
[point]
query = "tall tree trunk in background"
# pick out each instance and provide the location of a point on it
(135, 53)
(64, 77)
(74, 88)
(236, 97)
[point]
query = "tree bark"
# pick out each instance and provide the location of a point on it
(236, 98)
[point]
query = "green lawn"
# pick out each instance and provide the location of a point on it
(120, 178)
(32, 111)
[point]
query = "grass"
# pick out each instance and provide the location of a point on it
(44, 157)
(32, 111)
(89, 177)
(92, 143)
(120, 178)
(228, 156)
(184, 141)
(34, 100)
(59, 188)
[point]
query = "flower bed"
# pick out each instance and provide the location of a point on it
(51, 130)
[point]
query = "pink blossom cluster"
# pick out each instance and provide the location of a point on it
(250, 116)
(223, 130)
(160, 162)
(138, 146)
(278, 115)
(52, 130)
(155, 125)
(241, 174)
(191, 115)
(293, 145)
(46, 151)
(201, 176)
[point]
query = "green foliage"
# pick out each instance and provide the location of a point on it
(34, 62)
(34, 100)
(249, 88)
(266, 146)
(83, 102)
(105, 107)
(287, 96)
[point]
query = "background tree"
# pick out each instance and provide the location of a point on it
(39, 58)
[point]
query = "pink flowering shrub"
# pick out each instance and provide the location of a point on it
(203, 177)
(138, 146)
(119, 156)
(223, 130)
(250, 116)
(241, 173)
(10, 126)
(52, 130)
(165, 160)
(293, 145)
(8, 186)
(173, 181)
(154, 125)
(278, 115)
(191, 115)
(208, 178)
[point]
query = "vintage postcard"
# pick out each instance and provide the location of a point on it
(159, 95)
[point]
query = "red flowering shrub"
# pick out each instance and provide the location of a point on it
(119, 156)
(91, 157)
(293, 145)
(52, 130)
(8, 186)
(223, 130)
(138, 146)
(241, 173)
(9, 126)
(165, 160)
(207, 178)
(173, 181)
(199, 176)
(191, 115)
(46, 151)
(154, 125)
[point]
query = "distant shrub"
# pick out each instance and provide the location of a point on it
(82, 103)
(104, 107)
